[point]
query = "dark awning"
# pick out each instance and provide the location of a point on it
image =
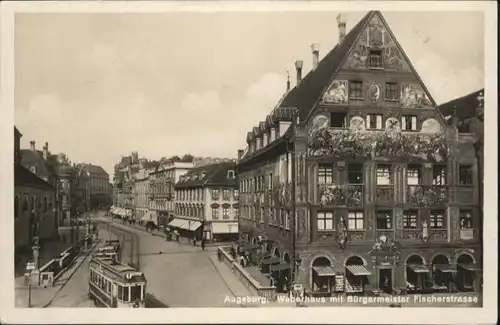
(271, 260)
(470, 266)
(358, 270)
(280, 267)
(445, 268)
(418, 268)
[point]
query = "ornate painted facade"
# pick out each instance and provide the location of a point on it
(386, 185)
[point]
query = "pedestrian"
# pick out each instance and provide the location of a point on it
(203, 244)
(194, 241)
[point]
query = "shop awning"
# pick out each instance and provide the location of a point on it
(147, 217)
(470, 266)
(271, 261)
(358, 270)
(445, 268)
(224, 227)
(418, 268)
(177, 223)
(324, 270)
(193, 225)
(282, 266)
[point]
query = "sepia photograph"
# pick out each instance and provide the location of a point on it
(221, 155)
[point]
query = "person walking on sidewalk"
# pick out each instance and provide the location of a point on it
(194, 240)
(203, 244)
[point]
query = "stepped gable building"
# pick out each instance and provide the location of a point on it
(206, 202)
(34, 204)
(387, 198)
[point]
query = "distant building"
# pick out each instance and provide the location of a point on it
(161, 189)
(206, 202)
(141, 192)
(34, 204)
(56, 170)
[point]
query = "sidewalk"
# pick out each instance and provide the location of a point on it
(234, 284)
(41, 297)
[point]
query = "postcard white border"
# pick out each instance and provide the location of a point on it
(345, 315)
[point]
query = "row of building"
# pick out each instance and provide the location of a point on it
(198, 197)
(51, 192)
(357, 181)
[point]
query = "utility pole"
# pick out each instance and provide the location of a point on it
(294, 199)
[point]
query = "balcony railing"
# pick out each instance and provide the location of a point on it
(427, 195)
(341, 195)
(438, 234)
(412, 234)
(385, 193)
(385, 232)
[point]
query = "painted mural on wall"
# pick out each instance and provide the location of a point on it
(413, 96)
(376, 36)
(336, 93)
(373, 92)
(357, 124)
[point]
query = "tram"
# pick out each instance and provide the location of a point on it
(115, 285)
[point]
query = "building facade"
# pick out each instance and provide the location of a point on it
(206, 202)
(34, 204)
(56, 170)
(162, 194)
(141, 192)
(386, 192)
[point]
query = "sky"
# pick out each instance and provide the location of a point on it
(97, 86)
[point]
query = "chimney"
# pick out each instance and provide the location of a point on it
(315, 53)
(240, 154)
(46, 151)
(32, 145)
(341, 25)
(298, 67)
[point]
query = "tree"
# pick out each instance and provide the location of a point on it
(187, 158)
(175, 158)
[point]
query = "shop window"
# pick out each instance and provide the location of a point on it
(413, 175)
(375, 59)
(325, 220)
(355, 220)
(374, 121)
(465, 175)
(409, 123)
(325, 174)
(410, 219)
(355, 173)
(384, 220)
(355, 90)
(466, 221)
(338, 120)
(384, 175)
(439, 175)
(391, 91)
(437, 219)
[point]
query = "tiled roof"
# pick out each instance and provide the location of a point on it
(465, 106)
(213, 174)
(30, 158)
(23, 177)
(94, 169)
(307, 92)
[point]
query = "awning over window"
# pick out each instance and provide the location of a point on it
(324, 270)
(282, 266)
(358, 270)
(225, 227)
(445, 268)
(471, 266)
(418, 268)
(271, 261)
(177, 223)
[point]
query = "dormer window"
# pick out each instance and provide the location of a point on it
(375, 59)
(230, 174)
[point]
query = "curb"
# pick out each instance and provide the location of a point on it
(69, 277)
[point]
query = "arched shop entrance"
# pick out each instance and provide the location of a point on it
(323, 276)
(442, 273)
(417, 274)
(466, 273)
(356, 275)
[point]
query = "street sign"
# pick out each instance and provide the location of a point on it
(30, 266)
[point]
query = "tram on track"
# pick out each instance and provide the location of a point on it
(115, 285)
